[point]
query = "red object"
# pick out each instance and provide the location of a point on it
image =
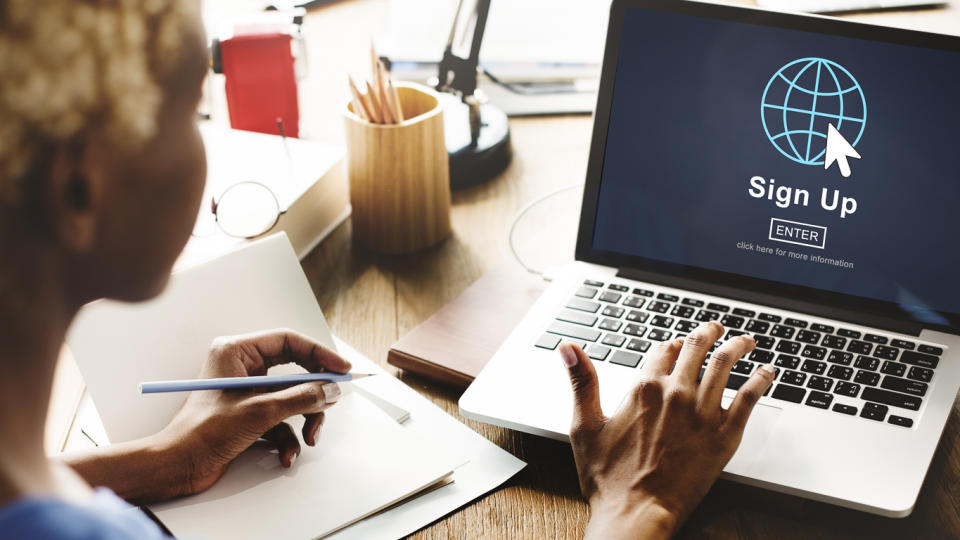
(261, 87)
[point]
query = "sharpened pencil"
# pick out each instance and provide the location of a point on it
(230, 383)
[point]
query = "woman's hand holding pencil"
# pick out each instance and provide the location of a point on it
(380, 104)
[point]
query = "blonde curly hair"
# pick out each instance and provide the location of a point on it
(78, 65)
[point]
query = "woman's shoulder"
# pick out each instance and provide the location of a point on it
(107, 517)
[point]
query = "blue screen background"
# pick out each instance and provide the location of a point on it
(685, 137)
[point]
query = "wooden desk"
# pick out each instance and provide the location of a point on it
(371, 300)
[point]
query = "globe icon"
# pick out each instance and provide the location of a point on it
(800, 102)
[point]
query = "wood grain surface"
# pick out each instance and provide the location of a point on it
(371, 300)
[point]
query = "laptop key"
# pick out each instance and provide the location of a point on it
(844, 409)
(618, 288)
(639, 345)
(593, 283)
(586, 292)
(900, 421)
(764, 342)
(820, 383)
(625, 358)
(718, 307)
(610, 324)
(613, 340)
(894, 399)
(874, 338)
(769, 317)
(734, 381)
(583, 305)
(919, 374)
(757, 327)
(812, 366)
(789, 347)
(929, 349)
(904, 385)
(613, 311)
(642, 292)
(762, 356)
(686, 326)
(786, 392)
(662, 321)
(692, 302)
(846, 332)
(743, 367)
(919, 359)
(705, 315)
(825, 328)
(740, 312)
(887, 353)
(732, 321)
(848, 389)
(577, 317)
(840, 372)
(638, 316)
(578, 332)
(635, 330)
(811, 351)
(634, 302)
(904, 344)
(787, 361)
(895, 368)
(683, 312)
(785, 332)
(867, 362)
(819, 400)
(859, 347)
(610, 296)
(799, 323)
(597, 352)
(659, 335)
(548, 341)
(668, 297)
(840, 357)
(874, 411)
(658, 307)
(808, 336)
(834, 342)
(867, 377)
(793, 377)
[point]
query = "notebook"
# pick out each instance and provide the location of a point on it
(365, 460)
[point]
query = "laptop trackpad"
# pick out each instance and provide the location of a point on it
(755, 436)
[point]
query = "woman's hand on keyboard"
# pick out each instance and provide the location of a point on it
(645, 468)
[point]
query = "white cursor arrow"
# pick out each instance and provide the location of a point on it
(838, 149)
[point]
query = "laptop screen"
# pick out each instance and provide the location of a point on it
(790, 155)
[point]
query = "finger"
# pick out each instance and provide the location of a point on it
(717, 372)
(288, 447)
(275, 347)
(694, 351)
(748, 395)
(311, 428)
(662, 358)
(587, 413)
(308, 398)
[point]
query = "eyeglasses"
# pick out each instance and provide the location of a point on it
(244, 210)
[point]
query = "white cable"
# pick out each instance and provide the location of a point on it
(520, 214)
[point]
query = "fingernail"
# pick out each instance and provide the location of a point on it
(751, 338)
(331, 392)
(569, 357)
(768, 369)
(293, 458)
(316, 433)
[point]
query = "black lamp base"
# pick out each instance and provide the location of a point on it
(474, 163)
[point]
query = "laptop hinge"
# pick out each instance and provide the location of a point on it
(811, 308)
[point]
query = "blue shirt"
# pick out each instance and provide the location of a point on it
(106, 517)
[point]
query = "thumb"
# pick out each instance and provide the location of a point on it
(587, 413)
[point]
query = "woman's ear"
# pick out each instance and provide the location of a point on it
(73, 202)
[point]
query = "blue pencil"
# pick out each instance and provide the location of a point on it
(228, 383)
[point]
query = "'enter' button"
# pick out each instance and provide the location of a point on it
(794, 232)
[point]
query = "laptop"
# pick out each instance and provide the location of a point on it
(794, 177)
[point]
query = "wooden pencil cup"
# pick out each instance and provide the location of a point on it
(400, 176)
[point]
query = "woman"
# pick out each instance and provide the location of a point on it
(101, 175)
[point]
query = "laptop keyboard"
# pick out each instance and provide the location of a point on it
(830, 367)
